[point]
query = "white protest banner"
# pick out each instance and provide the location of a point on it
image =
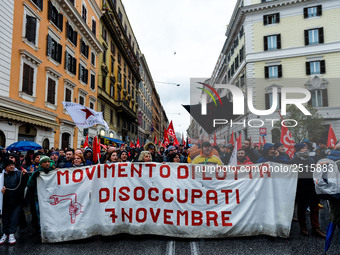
(178, 200)
(84, 117)
(2, 179)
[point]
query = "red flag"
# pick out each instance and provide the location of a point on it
(176, 143)
(215, 143)
(260, 141)
(103, 146)
(331, 137)
(232, 139)
(96, 150)
(138, 145)
(159, 143)
(287, 141)
(170, 131)
(239, 142)
(132, 145)
(86, 143)
(166, 138)
(155, 142)
(264, 139)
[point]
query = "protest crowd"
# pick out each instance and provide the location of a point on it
(21, 172)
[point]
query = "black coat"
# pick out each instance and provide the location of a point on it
(17, 181)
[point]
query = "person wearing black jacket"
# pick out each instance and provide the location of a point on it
(305, 192)
(251, 153)
(13, 191)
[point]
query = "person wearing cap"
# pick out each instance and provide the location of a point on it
(57, 161)
(280, 154)
(45, 166)
(268, 154)
(322, 151)
(13, 194)
(206, 156)
(305, 191)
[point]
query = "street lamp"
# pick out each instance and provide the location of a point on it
(172, 83)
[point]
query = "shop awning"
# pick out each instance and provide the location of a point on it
(113, 140)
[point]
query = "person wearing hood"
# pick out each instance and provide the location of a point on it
(13, 194)
(242, 159)
(305, 191)
(280, 154)
(268, 153)
(151, 147)
(88, 156)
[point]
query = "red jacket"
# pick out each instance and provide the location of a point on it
(245, 162)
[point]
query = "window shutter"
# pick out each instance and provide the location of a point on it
(305, 13)
(94, 28)
(80, 72)
(31, 28)
(86, 75)
(49, 90)
(75, 38)
(306, 37)
(39, 3)
(279, 68)
(324, 98)
(60, 21)
(277, 17)
(322, 66)
(308, 68)
(25, 78)
(265, 20)
(30, 84)
(68, 31)
(66, 61)
(49, 45)
(74, 65)
(319, 10)
(278, 38)
(321, 35)
(267, 101)
(266, 72)
(50, 7)
(59, 52)
(87, 51)
(265, 43)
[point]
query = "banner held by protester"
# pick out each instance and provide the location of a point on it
(191, 201)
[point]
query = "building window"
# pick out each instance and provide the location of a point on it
(81, 100)
(93, 59)
(104, 56)
(269, 100)
(112, 65)
(54, 49)
(241, 32)
(111, 116)
(68, 95)
(104, 34)
(104, 75)
(241, 54)
(93, 81)
(272, 42)
(112, 88)
(119, 58)
(51, 91)
(70, 63)
(120, 15)
(319, 98)
(271, 19)
(84, 12)
(316, 67)
(71, 34)
(84, 49)
(92, 105)
(119, 76)
(94, 26)
(113, 50)
(312, 11)
(272, 72)
(55, 16)
(38, 3)
(314, 36)
(83, 73)
(28, 79)
(31, 29)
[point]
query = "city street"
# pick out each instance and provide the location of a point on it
(127, 244)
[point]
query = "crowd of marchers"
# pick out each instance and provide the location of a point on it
(21, 172)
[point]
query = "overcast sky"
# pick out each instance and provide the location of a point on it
(194, 29)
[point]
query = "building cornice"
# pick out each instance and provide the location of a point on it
(72, 14)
